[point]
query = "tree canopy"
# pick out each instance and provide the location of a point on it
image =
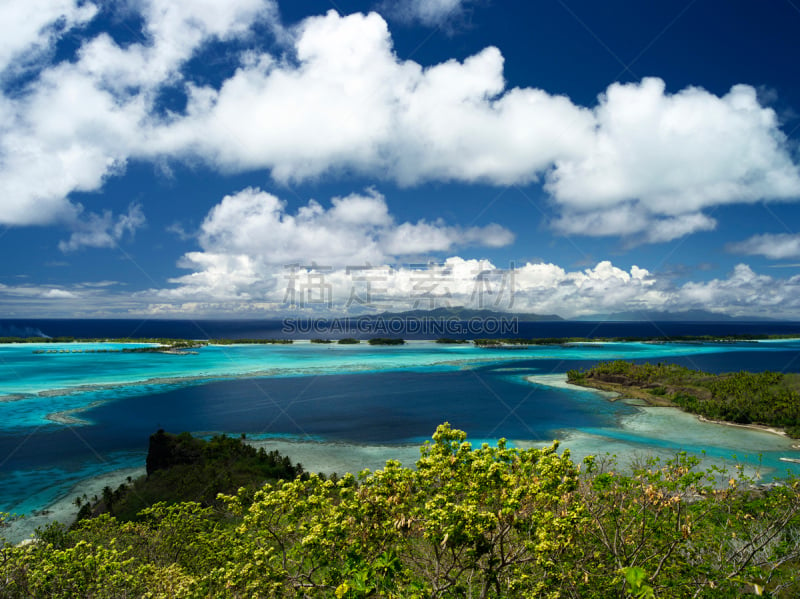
(492, 521)
(767, 398)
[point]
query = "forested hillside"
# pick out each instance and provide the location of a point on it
(483, 522)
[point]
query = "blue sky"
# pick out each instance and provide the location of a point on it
(187, 158)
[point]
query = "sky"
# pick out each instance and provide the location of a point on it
(261, 158)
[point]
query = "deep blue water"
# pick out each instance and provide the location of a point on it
(397, 405)
(382, 407)
(375, 407)
(409, 329)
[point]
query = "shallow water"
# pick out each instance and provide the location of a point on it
(337, 408)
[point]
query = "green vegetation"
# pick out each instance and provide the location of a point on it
(176, 347)
(37, 339)
(250, 341)
(448, 340)
(478, 342)
(173, 346)
(662, 339)
(348, 341)
(521, 341)
(492, 522)
(501, 342)
(563, 340)
(385, 341)
(183, 468)
(765, 398)
(157, 340)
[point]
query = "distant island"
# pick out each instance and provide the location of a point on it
(501, 342)
(462, 313)
(187, 346)
(667, 316)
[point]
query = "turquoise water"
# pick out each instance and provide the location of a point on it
(65, 417)
(68, 380)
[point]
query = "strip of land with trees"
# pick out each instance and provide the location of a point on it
(770, 399)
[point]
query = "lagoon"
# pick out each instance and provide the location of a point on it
(68, 417)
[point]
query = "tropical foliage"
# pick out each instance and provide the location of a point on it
(250, 341)
(465, 522)
(184, 468)
(768, 398)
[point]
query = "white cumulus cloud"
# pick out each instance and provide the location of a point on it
(80, 121)
(28, 28)
(428, 12)
(58, 294)
(355, 229)
(224, 284)
(103, 231)
(249, 241)
(353, 255)
(643, 163)
(548, 288)
(243, 286)
(352, 105)
(238, 281)
(777, 246)
(745, 292)
(657, 160)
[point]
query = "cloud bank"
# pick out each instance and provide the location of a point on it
(249, 242)
(542, 288)
(79, 121)
(255, 257)
(644, 163)
(29, 29)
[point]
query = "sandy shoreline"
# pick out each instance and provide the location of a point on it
(338, 458)
(755, 427)
(560, 381)
(326, 457)
(329, 457)
(63, 509)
